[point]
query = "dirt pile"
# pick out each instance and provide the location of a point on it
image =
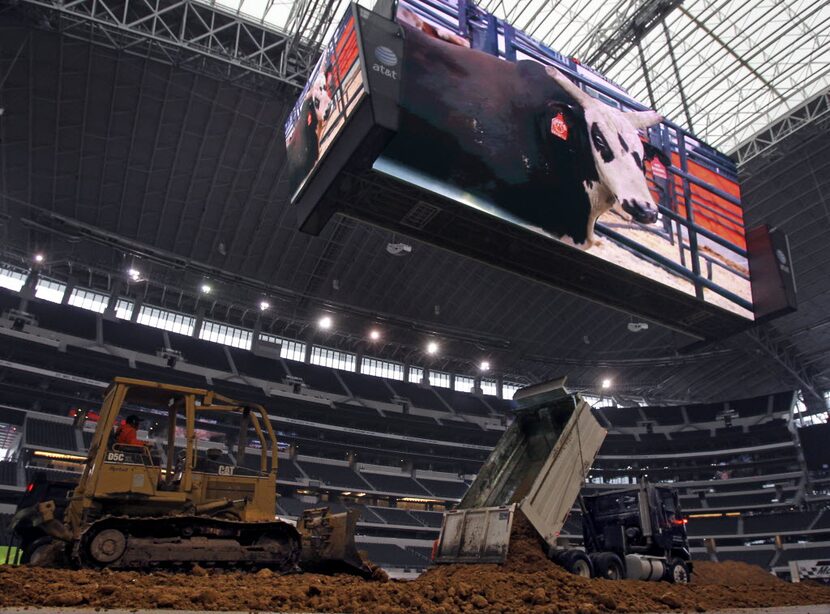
(732, 573)
(528, 582)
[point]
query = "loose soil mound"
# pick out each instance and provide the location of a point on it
(528, 582)
(732, 573)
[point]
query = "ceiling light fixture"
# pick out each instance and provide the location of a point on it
(324, 322)
(206, 289)
(485, 365)
(39, 257)
(606, 383)
(264, 305)
(432, 347)
(374, 334)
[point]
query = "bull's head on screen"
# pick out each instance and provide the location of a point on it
(618, 154)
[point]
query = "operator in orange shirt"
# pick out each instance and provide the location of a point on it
(127, 433)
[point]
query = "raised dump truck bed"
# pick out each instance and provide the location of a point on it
(537, 467)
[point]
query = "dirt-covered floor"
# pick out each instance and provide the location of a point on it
(528, 582)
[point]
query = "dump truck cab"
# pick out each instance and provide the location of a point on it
(640, 523)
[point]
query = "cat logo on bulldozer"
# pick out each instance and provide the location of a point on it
(225, 469)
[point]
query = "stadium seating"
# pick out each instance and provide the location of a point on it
(704, 412)
(777, 523)
(391, 515)
(50, 434)
(622, 416)
(429, 519)
(366, 386)
(397, 484)
(774, 431)
(663, 416)
(317, 378)
(445, 489)
(418, 395)
(269, 369)
(617, 444)
(333, 475)
(11, 416)
(366, 513)
(133, 336)
(292, 507)
(200, 352)
(64, 319)
(8, 473)
(803, 552)
(725, 525)
(824, 520)
(8, 300)
(463, 403)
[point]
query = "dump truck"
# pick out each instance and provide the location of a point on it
(172, 502)
(538, 468)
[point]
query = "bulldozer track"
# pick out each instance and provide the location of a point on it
(123, 542)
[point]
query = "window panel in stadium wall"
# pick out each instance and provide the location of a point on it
(504, 129)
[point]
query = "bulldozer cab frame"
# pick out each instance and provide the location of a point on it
(117, 476)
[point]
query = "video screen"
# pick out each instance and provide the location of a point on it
(329, 98)
(521, 141)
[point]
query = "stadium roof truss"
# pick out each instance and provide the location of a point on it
(215, 38)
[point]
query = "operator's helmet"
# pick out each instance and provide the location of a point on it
(133, 421)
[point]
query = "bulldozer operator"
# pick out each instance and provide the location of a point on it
(127, 433)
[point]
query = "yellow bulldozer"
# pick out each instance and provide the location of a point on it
(177, 501)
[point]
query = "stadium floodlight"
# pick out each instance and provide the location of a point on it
(264, 305)
(324, 322)
(485, 365)
(606, 383)
(374, 334)
(432, 347)
(39, 257)
(134, 274)
(206, 289)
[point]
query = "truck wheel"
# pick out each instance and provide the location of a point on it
(578, 563)
(678, 572)
(608, 565)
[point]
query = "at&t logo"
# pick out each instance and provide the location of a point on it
(386, 61)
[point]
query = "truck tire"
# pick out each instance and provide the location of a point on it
(608, 565)
(578, 563)
(677, 571)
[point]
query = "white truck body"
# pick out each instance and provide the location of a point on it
(538, 466)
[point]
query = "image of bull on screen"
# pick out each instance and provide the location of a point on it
(522, 141)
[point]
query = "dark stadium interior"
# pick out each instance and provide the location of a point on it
(146, 232)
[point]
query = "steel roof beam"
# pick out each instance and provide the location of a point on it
(189, 34)
(764, 144)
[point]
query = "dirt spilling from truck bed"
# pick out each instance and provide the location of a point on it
(528, 582)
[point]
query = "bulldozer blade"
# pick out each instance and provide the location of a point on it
(328, 546)
(42, 516)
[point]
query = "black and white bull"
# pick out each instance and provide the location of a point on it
(522, 137)
(303, 146)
